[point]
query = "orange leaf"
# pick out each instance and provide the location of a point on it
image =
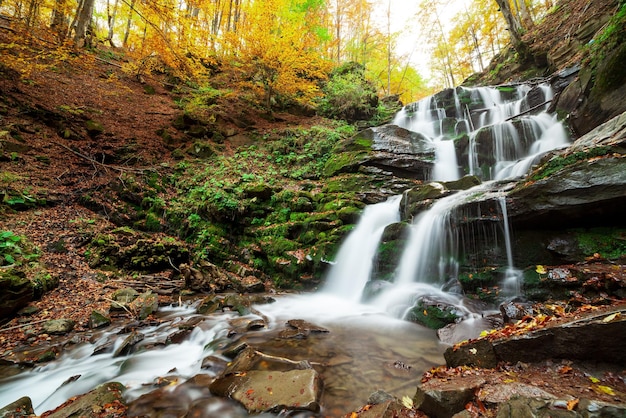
(571, 404)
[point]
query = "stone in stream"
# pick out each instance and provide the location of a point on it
(145, 304)
(272, 391)
(104, 401)
(128, 344)
(300, 328)
(23, 407)
(444, 399)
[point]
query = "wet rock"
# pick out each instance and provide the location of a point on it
(250, 359)
(419, 198)
(145, 304)
(272, 391)
(444, 399)
(514, 311)
(468, 329)
(23, 407)
(390, 408)
(576, 340)
(214, 365)
(300, 328)
(434, 313)
(98, 319)
(463, 183)
(105, 401)
(58, 326)
(128, 344)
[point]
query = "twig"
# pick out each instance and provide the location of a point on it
(172, 264)
(23, 325)
(529, 110)
(95, 162)
(108, 62)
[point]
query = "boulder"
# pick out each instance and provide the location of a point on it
(444, 399)
(58, 326)
(583, 339)
(128, 344)
(98, 319)
(17, 292)
(145, 304)
(272, 391)
(23, 407)
(105, 401)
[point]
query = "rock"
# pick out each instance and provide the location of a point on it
(468, 329)
(390, 408)
(17, 292)
(502, 392)
(206, 277)
(251, 284)
(128, 344)
(272, 391)
(419, 198)
(145, 304)
(250, 359)
(94, 128)
(23, 407)
(58, 326)
(514, 311)
(105, 401)
(523, 407)
(300, 328)
(444, 399)
(98, 319)
(123, 297)
(576, 340)
(433, 312)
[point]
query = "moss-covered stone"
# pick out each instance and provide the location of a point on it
(432, 316)
(94, 128)
(344, 162)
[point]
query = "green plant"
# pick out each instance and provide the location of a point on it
(14, 250)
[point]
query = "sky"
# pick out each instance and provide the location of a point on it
(403, 13)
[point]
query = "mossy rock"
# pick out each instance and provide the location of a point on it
(344, 162)
(17, 291)
(463, 183)
(201, 149)
(94, 128)
(261, 191)
(431, 315)
(611, 73)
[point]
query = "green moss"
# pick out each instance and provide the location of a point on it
(558, 163)
(431, 316)
(345, 161)
(610, 243)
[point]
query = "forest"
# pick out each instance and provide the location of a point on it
(284, 48)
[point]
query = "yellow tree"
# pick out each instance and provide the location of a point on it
(277, 48)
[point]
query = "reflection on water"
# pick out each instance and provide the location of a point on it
(364, 351)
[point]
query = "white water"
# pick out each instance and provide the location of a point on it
(368, 334)
(354, 260)
(430, 258)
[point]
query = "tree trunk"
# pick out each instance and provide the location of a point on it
(128, 23)
(83, 20)
(513, 25)
(111, 21)
(59, 19)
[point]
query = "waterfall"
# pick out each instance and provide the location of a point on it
(353, 265)
(504, 132)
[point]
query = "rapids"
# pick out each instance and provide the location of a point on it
(369, 346)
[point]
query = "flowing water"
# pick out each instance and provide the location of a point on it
(369, 346)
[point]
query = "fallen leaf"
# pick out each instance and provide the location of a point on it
(605, 389)
(407, 401)
(571, 404)
(611, 317)
(541, 269)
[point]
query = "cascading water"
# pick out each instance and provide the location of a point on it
(356, 255)
(475, 133)
(502, 138)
